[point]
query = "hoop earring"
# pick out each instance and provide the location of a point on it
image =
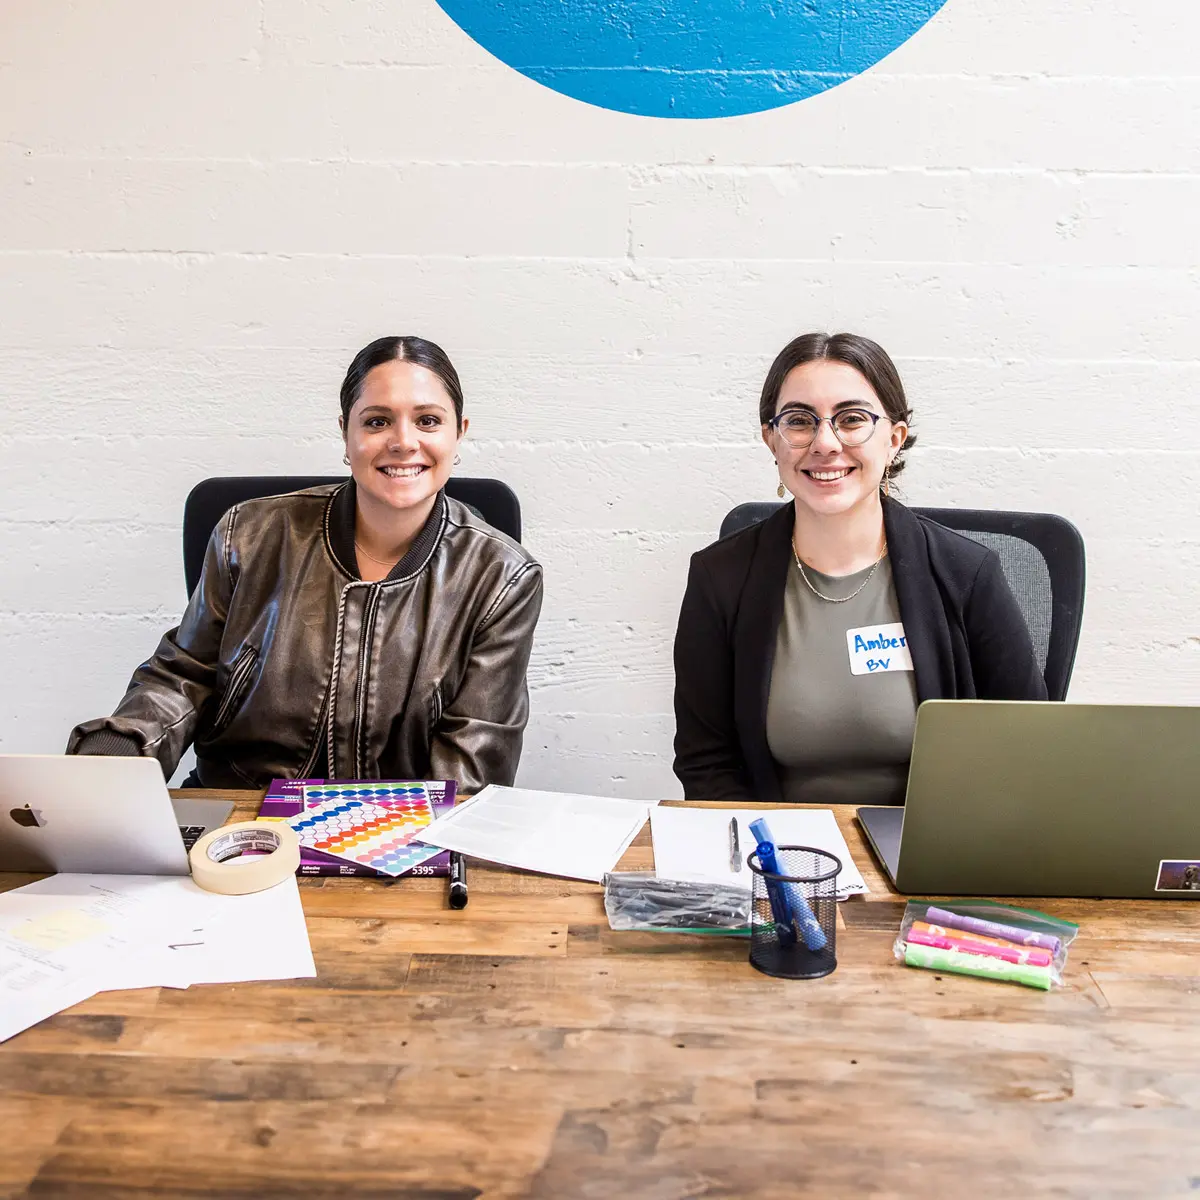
(458, 460)
(346, 459)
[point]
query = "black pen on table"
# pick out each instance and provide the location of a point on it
(458, 880)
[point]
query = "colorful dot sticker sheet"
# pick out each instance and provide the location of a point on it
(369, 824)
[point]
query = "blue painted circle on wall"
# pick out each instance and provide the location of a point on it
(690, 58)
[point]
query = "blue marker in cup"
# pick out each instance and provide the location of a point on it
(786, 898)
(781, 910)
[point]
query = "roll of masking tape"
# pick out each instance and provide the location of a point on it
(220, 863)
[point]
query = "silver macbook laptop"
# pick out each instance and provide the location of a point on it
(89, 813)
(1015, 798)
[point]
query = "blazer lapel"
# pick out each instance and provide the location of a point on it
(755, 631)
(921, 606)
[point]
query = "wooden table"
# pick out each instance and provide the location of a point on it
(520, 1048)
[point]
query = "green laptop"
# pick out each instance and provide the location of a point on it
(1015, 798)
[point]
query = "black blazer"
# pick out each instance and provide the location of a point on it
(966, 634)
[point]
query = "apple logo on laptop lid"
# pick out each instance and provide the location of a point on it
(27, 817)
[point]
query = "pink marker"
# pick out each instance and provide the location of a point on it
(978, 939)
(1013, 954)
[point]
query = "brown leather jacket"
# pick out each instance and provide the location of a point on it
(285, 661)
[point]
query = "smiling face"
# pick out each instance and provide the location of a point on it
(825, 476)
(401, 435)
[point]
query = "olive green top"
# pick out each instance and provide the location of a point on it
(836, 737)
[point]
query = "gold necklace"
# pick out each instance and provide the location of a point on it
(835, 599)
(383, 562)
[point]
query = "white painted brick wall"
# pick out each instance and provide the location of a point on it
(205, 210)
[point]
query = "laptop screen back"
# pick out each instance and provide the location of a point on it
(1011, 798)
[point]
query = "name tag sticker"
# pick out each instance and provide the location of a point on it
(878, 648)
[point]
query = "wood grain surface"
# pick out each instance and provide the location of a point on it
(520, 1048)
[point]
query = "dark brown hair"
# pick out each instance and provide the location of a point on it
(408, 349)
(868, 358)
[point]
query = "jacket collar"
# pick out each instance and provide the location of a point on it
(755, 631)
(339, 535)
(921, 602)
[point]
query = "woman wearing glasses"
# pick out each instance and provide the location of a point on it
(806, 642)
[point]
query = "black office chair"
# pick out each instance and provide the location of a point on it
(1043, 560)
(211, 499)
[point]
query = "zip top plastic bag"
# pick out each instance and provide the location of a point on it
(641, 900)
(985, 939)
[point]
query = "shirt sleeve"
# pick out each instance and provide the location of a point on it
(708, 755)
(477, 738)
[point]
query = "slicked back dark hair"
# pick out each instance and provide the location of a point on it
(868, 358)
(405, 349)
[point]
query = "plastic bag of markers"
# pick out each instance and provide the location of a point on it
(640, 900)
(986, 940)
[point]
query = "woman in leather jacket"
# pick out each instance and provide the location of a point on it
(370, 629)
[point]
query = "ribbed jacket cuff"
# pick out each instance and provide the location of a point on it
(105, 741)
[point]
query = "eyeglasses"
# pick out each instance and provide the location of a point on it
(851, 426)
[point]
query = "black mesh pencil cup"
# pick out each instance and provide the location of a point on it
(793, 924)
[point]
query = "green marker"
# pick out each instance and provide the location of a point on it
(956, 963)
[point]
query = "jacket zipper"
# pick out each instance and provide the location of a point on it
(360, 699)
(333, 682)
(238, 675)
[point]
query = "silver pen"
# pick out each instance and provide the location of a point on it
(735, 854)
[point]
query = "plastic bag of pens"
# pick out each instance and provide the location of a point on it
(985, 939)
(640, 900)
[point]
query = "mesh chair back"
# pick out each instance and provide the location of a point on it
(1044, 563)
(1028, 578)
(493, 501)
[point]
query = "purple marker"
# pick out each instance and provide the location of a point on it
(1023, 937)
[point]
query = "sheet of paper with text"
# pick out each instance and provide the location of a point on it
(693, 843)
(555, 833)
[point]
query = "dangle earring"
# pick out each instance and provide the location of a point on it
(887, 479)
(779, 489)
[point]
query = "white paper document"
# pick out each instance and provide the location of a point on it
(247, 938)
(62, 938)
(66, 937)
(555, 833)
(693, 843)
